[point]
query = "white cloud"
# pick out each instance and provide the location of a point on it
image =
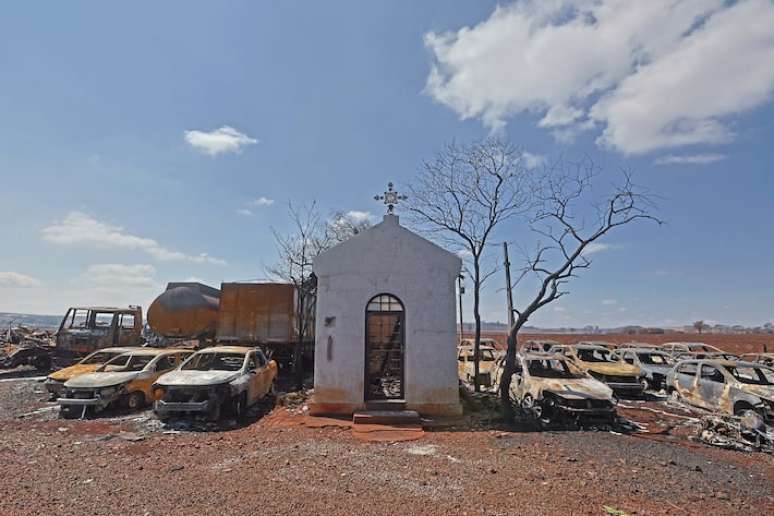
(655, 74)
(532, 160)
(14, 279)
(464, 254)
(220, 141)
(595, 247)
(609, 302)
(245, 212)
(114, 275)
(694, 159)
(359, 216)
(81, 229)
(263, 201)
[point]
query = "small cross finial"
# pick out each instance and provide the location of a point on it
(390, 198)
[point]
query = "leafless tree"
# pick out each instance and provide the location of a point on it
(565, 240)
(462, 196)
(310, 235)
(699, 326)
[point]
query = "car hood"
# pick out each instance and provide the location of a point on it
(196, 378)
(71, 372)
(764, 391)
(101, 379)
(581, 388)
(612, 368)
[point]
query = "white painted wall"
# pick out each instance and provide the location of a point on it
(390, 259)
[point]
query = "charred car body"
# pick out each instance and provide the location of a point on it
(125, 379)
(654, 365)
(551, 387)
(602, 365)
(466, 365)
(86, 329)
(679, 348)
(766, 359)
(215, 380)
(720, 385)
(56, 380)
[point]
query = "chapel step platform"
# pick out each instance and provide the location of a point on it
(386, 417)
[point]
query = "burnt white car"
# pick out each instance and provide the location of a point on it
(214, 381)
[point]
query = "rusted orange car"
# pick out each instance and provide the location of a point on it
(56, 380)
(125, 379)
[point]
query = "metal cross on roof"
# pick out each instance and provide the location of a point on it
(390, 198)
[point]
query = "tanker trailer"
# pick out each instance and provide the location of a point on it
(185, 311)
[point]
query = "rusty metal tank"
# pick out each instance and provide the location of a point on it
(185, 310)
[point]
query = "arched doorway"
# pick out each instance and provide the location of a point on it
(384, 348)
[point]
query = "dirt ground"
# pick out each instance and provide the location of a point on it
(282, 462)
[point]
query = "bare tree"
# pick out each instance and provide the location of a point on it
(699, 326)
(310, 236)
(462, 196)
(566, 241)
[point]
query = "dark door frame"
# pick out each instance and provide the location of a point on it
(402, 315)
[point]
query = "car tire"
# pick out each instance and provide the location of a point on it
(135, 400)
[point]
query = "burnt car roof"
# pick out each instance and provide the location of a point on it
(104, 308)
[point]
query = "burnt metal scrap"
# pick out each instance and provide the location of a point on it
(21, 345)
(747, 433)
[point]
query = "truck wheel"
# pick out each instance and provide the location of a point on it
(135, 400)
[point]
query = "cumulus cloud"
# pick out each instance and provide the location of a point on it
(263, 201)
(649, 75)
(532, 160)
(220, 141)
(15, 279)
(359, 217)
(693, 159)
(81, 229)
(119, 275)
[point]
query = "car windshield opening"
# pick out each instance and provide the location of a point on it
(652, 358)
(98, 358)
(595, 355)
(752, 375)
(215, 362)
(127, 363)
(551, 369)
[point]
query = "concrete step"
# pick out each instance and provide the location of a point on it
(386, 417)
(386, 405)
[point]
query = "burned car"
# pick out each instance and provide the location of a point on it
(124, 380)
(86, 329)
(466, 365)
(654, 365)
(606, 367)
(766, 359)
(678, 348)
(539, 346)
(56, 380)
(214, 381)
(550, 387)
(734, 388)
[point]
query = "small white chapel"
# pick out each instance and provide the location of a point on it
(385, 333)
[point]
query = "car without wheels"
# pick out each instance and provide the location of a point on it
(654, 364)
(735, 388)
(606, 367)
(550, 387)
(766, 359)
(125, 379)
(214, 381)
(678, 348)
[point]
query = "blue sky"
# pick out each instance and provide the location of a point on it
(158, 141)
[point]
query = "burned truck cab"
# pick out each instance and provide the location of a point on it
(86, 329)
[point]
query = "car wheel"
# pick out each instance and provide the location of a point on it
(645, 385)
(135, 401)
(674, 395)
(69, 413)
(528, 405)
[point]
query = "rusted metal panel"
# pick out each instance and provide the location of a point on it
(260, 313)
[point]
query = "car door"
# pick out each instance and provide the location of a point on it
(712, 384)
(256, 380)
(685, 379)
